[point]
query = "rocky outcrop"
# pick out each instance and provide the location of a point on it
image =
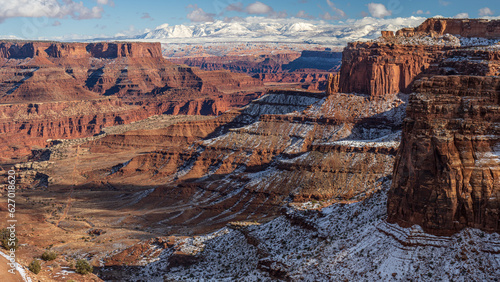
(105, 50)
(310, 80)
(243, 64)
(53, 90)
(463, 27)
(308, 68)
(378, 69)
(286, 146)
(391, 64)
(446, 175)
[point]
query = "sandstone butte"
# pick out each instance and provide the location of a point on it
(447, 171)
(53, 90)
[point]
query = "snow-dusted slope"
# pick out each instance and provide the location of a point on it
(258, 29)
(344, 242)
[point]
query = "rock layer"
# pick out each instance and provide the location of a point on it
(447, 172)
(52, 90)
(447, 175)
(463, 27)
(308, 68)
(242, 165)
(378, 69)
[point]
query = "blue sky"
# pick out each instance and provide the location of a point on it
(32, 19)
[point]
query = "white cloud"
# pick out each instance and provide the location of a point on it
(337, 13)
(378, 10)
(303, 14)
(106, 2)
(259, 8)
(485, 12)
(279, 15)
(198, 15)
(461, 16)
(47, 8)
(421, 12)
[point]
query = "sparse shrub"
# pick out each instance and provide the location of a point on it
(49, 255)
(83, 267)
(35, 266)
(4, 239)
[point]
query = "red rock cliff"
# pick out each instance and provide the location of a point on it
(76, 77)
(378, 69)
(22, 49)
(463, 27)
(447, 172)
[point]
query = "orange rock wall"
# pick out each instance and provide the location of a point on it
(378, 69)
(463, 27)
(447, 171)
(20, 49)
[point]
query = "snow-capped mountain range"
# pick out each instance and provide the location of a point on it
(259, 29)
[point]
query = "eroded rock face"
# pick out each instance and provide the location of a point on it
(308, 68)
(446, 175)
(18, 50)
(70, 90)
(463, 27)
(244, 164)
(378, 69)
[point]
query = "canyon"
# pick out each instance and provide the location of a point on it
(72, 90)
(308, 69)
(179, 173)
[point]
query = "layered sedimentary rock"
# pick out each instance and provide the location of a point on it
(115, 83)
(308, 68)
(43, 71)
(25, 49)
(463, 27)
(310, 80)
(286, 146)
(243, 64)
(377, 68)
(446, 175)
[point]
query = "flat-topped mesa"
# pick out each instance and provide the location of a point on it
(110, 50)
(390, 64)
(379, 69)
(464, 27)
(125, 49)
